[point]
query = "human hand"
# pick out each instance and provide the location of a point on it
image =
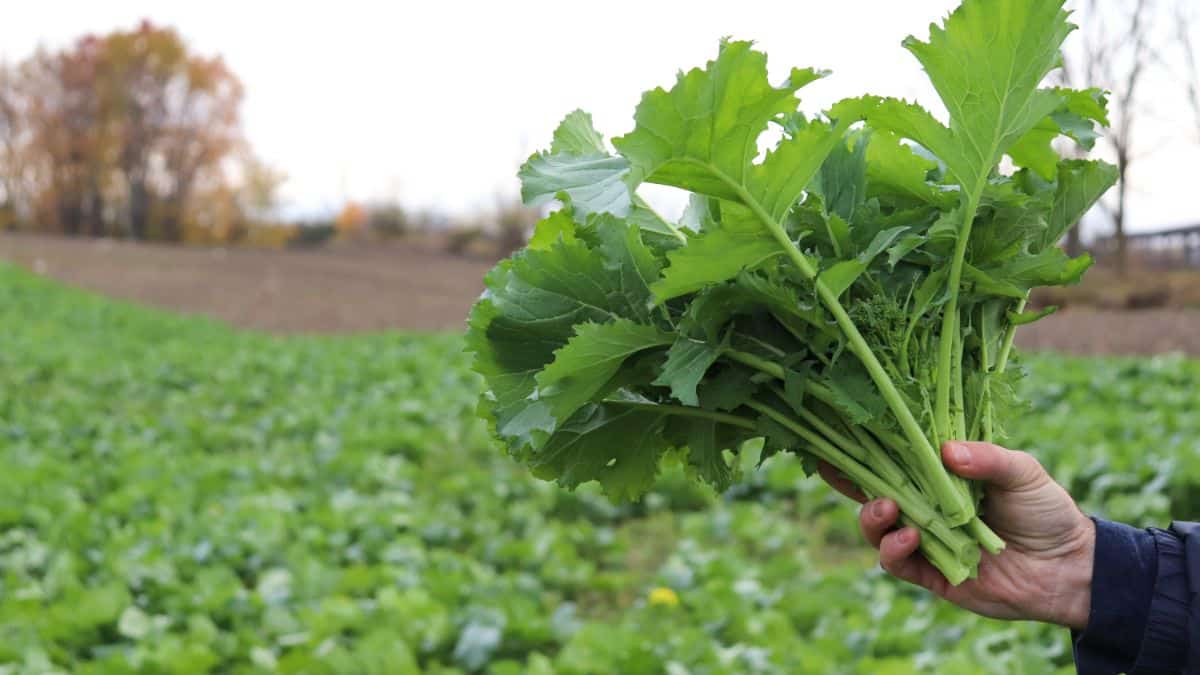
(1044, 574)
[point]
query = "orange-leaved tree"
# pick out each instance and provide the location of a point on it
(117, 134)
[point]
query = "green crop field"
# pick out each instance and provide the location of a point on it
(180, 497)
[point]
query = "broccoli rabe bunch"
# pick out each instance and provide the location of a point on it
(850, 294)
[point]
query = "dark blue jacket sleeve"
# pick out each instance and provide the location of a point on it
(1143, 611)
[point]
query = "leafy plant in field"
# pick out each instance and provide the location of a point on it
(852, 295)
(179, 497)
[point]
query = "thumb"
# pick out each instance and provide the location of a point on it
(1005, 469)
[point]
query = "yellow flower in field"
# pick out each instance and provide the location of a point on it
(664, 597)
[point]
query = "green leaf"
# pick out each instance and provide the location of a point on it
(986, 63)
(909, 120)
(785, 301)
(991, 330)
(1076, 117)
(549, 230)
(843, 274)
(530, 309)
(687, 362)
(984, 283)
(794, 385)
(880, 243)
(711, 310)
(854, 394)
(787, 171)
(630, 263)
(1009, 223)
(662, 234)
(933, 292)
(589, 360)
(587, 183)
(853, 109)
(842, 181)
(1085, 109)
(713, 257)
(702, 135)
(1081, 184)
(706, 442)
(579, 171)
(905, 245)
(943, 233)
(728, 390)
(576, 135)
(509, 355)
(618, 446)
(893, 167)
(1088, 104)
(776, 438)
(1049, 267)
(1025, 318)
(839, 235)
(1035, 151)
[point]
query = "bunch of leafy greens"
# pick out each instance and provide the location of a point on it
(851, 294)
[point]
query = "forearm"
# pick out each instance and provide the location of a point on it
(1138, 617)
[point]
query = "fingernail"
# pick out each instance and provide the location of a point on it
(905, 536)
(877, 509)
(960, 454)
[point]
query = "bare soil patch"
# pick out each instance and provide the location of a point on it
(340, 288)
(1143, 287)
(1086, 331)
(353, 287)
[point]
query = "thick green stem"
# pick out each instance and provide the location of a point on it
(949, 498)
(956, 566)
(895, 442)
(983, 416)
(937, 553)
(819, 392)
(758, 363)
(983, 534)
(933, 477)
(876, 457)
(958, 387)
(1009, 334)
(871, 454)
(865, 438)
(959, 418)
(950, 321)
(909, 501)
(953, 551)
(954, 504)
(941, 403)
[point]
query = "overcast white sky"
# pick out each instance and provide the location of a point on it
(437, 103)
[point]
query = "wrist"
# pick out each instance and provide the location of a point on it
(1074, 595)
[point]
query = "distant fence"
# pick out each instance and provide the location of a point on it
(1175, 247)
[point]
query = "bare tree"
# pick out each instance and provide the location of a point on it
(1115, 51)
(115, 133)
(1185, 25)
(1129, 48)
(9, 165)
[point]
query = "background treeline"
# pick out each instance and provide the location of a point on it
(128, 134)
(134, 135)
